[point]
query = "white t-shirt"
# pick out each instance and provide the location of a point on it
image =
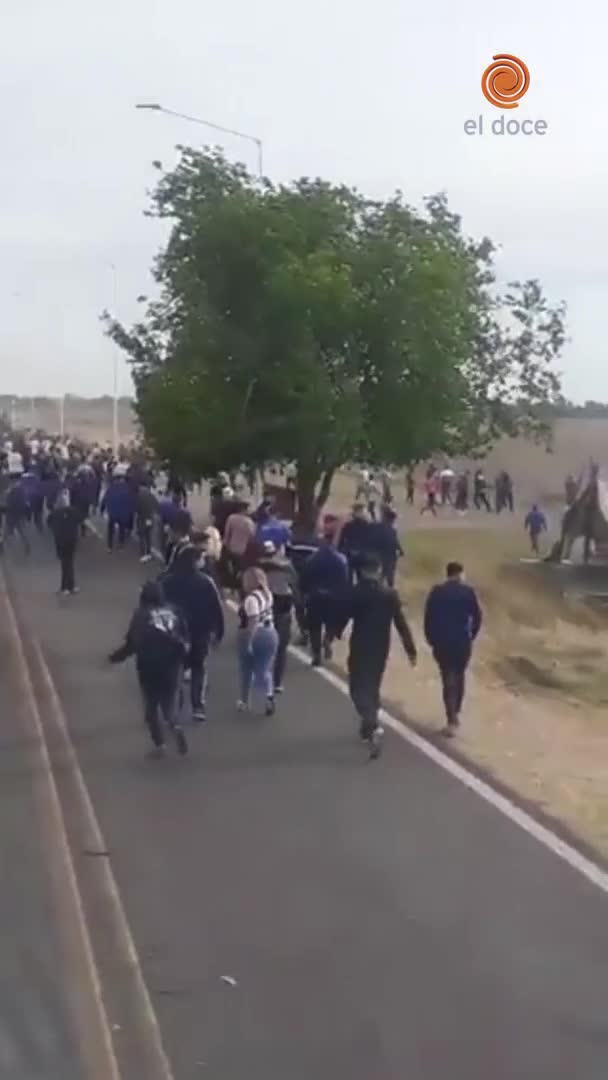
(258, 606)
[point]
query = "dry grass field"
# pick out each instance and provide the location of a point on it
(536, 715)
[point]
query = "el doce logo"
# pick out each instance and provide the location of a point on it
(504, 83)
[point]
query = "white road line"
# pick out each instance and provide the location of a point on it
(505, 806)
(590, 870)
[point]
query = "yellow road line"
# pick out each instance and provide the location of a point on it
(80, 981)
(157, 1065)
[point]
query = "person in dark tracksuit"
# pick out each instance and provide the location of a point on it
(356, 539)
(385, 543)
(283, 584)
(146, 509)
(158, 638)
(119, 505)
(452, 620)
(324, 581)
(17, 512)
(197, 598)
(299, 551)
(373, 608)
(64, 522)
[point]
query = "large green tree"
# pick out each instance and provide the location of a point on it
(306, 323)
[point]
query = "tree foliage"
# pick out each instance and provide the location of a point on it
(305, 322)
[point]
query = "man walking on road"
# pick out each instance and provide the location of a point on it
(64, 522)
(324, 582)
(373, 607)
(196, 597)
(452, 620)
(157, 637)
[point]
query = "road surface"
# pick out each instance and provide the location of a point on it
(379, 920)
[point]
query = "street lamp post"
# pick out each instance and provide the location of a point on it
(115, 432)
(155, 107)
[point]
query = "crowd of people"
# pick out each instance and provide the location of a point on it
(342, 575)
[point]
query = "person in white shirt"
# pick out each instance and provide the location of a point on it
(257, 639)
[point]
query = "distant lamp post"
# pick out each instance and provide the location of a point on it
(153, 106)
(115, 431)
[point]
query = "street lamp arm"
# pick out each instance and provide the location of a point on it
(155, 107)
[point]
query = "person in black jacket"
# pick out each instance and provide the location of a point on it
(197, 598)
(356, 539)
(373, 608)
(158, 638)
(452, 621)
(64, 522)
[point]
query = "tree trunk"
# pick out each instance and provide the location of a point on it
(309, 502)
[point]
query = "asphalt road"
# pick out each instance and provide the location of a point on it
(381, 922)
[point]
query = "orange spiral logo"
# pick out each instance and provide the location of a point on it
(505, 81)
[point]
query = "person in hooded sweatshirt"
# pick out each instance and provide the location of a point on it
(324, 581)
(373, 608)
(158, 639)
(64, 522)
(283, 584)
(195, 595)
(119, 506)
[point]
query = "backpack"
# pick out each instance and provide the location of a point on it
(160, 640)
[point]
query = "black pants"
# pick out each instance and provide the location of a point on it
(18, 525)
(410, 496)
(66, 554)
(160, 698)
(321, 619)
(364, 682)
(113, 525)
(282, 623)
(199, 650)
(144, 530)
(481, 499)
(452, 667)
(38, 512)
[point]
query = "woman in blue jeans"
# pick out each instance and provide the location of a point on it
(257, 639)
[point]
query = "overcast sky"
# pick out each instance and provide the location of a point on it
(375, 94)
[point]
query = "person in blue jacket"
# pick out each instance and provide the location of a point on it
(452, 621)
(535, 524)
(118, 504)
(195, 595)
(324, 582)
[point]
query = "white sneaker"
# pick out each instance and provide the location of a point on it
(242, 706)
(146, 558)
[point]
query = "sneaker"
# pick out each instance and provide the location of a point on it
(146, 559)
(199, 715)
(375, 744)
(242, 706)
(74, 591)
(156, 752)
(270, 707)
(448, 731)
(279, 690)
(65, 592)
(316, 662)
(181, 740)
